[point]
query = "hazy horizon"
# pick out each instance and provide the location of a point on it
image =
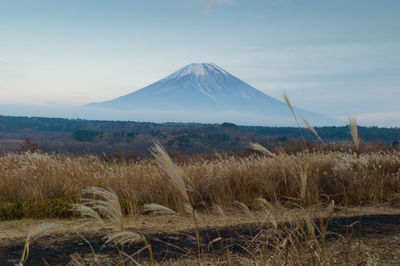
(339, 59)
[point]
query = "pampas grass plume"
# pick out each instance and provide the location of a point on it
(354, 131)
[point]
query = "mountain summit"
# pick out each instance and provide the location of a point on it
(207, 89)
(203, 86)
(201, 69)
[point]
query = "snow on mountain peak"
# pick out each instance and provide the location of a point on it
(199, 69)
(206, 90)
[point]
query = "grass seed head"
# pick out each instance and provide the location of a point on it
(158, 209)
(122, 238)
(354, 131)
(289, 104)
(260, 148)
(312, 129)
(175, 174)
(244, 208)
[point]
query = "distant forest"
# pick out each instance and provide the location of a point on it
(88, 136)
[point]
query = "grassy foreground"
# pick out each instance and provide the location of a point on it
(266, 187)
(37, 185)
(317, 185)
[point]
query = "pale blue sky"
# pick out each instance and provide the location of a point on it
(338, 57)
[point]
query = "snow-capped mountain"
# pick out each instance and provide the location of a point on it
(208, 90)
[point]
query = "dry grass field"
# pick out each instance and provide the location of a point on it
(127, 202)
(35, 185)
(327, 207)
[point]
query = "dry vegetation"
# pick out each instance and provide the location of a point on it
(265, 186)
(261, 185)
(40, 185)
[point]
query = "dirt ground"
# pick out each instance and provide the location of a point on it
(173, 237)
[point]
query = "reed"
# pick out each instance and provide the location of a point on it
(312, 129)
(354, 132)
(40, 185)
(257, 185)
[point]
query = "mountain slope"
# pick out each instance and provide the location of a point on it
(208, 89)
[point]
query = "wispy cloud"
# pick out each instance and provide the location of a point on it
(253, 49)
(213, 3)
(4, 63)
(217, 2)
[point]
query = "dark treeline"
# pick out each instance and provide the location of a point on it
(88, 136)
(373, 133)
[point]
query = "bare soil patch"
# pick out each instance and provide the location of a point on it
(56, 249)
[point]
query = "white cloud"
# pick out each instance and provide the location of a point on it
(254, 49)
(217, 2)
(213, 3)
(334, 79)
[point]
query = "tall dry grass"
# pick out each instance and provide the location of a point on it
(303, 179)
(354, 132)
(42, 185)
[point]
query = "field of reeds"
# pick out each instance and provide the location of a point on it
(37, 185)
(260, 185)
(264, 185)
